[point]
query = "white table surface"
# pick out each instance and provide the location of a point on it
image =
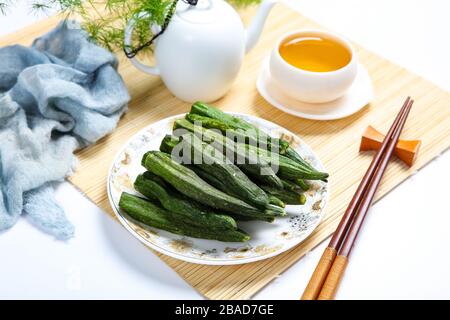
(407, 233)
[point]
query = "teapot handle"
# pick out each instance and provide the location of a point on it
(154, 70)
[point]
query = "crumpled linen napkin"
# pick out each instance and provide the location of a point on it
(61, 94)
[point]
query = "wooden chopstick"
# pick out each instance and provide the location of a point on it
(337, 270)
(326, 261)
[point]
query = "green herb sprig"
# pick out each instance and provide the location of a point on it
(106, 20)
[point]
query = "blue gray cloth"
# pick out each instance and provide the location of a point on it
(61, 94)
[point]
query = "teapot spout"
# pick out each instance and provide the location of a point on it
(255, 29)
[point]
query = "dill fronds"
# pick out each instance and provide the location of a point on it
(106, 20)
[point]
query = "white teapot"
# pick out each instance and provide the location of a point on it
(200, 53)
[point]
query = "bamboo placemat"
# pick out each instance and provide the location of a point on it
(336, 142)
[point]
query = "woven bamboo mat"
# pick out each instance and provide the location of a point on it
(336, 142)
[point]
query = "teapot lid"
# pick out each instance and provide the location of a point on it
(206, 11)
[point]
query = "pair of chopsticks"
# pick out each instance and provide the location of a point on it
(328, 274)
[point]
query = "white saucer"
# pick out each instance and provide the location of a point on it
(358, 96)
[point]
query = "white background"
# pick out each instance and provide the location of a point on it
(403, 250)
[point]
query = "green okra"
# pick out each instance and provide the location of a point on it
(236, 134)
(155, 188)
(287, 196)
(247, 160)
(288, 168)
(275, 205)
(217, 165)
(190, 184)
(152, 215)
(205, 110)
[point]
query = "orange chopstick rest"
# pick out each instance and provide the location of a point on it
(405, 150)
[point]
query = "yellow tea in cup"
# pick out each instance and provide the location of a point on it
(314, 53)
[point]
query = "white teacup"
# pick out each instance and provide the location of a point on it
(310, 86)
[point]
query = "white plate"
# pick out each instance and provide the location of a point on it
(358, 96)
(267, 239)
